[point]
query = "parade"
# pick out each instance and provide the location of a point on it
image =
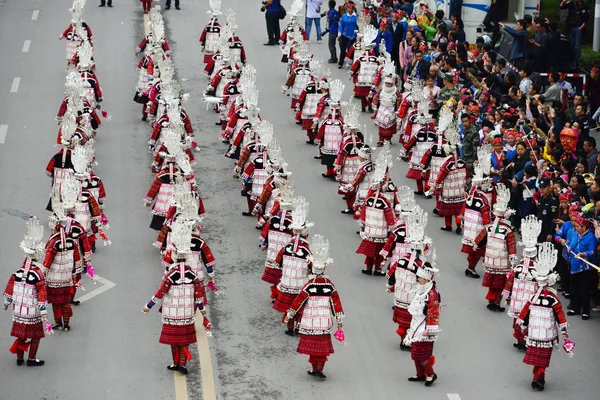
(298, 203)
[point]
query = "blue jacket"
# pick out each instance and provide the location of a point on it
(519, 46)
(389, 41)
(582, 244)
(348, 26)
(563, 233)
(274, 7)
(334, 21)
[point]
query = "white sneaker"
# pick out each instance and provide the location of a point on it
(319, 41)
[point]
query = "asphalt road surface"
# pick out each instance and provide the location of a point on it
(112, 351)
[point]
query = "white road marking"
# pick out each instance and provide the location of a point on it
(26, 45)
(453, 396)
(3, 131)
(35, 15)
(15, 85)
(106, 285)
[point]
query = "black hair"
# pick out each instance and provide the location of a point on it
(332, 3)
(460, 24)
(591, 141)
(555, 76)
(531, 170)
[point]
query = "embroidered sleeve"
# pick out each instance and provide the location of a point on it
(153, 189)
(50, 167)
(560, 315)
(523, 318)
(164, 287)
(510, 278)
(336, 306)
(298, 303)
(511, 244)
(388, 246)
(248, 172)
(8, 292)
(208, 258)
(41, 294)
(433, 312)
(264, 234)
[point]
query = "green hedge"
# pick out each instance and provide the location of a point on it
(589, 58)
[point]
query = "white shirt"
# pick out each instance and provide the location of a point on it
(312, 6)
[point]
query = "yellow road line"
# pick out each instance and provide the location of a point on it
(206, 371)
(146, 24)
(181, 392)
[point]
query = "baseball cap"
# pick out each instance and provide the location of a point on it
(544, 182)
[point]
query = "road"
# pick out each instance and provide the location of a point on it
(113, 352)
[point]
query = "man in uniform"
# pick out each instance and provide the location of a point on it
(547, 210)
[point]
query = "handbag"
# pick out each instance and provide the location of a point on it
(282, 11)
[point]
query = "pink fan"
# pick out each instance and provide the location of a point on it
(48, 327)
(339, 335)
(568, 346)
(194, 144)
(104, 220)
(104, 114)
(91, 272)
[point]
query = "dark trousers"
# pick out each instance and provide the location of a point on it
(564, 271)
(273, 30)
(492, 17)
(345, 44)
(103, 2)
(169, 3)
(581, 286)
(331, 43)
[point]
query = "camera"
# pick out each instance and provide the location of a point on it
(262, 9)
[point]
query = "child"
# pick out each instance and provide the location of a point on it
(333, 21)
(529, 189)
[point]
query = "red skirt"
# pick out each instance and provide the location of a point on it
(307, 124)
(362, 91)
(417, 174)
(27, 331)
(271, 275)
(449, 209)
(315, 345)
(284, 301)
(59, 296)
(421, 351)
(469, 250)
(402, 317)
(178, 335)
(387, 133)
(494, 281)
(369, 248)
(538, 356)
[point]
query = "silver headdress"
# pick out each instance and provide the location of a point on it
(58, 211)
(315, 68)
(230, 16)
(181, 236)
(452, 137)
(544, 265)
(286, 191)
(247, 76)
(336, 89)
(383, 163)
(85, 52)
(215, 8)
(389, 72)
(32, 244)
(502, 199)
(275, 154)
(77, 10)
(369, 35)
(186, 200)
(483, 166)
(296, 8)
(351, 111)
(80, 158)
(68, 127)
(406, 198)
(320, 254)
(416, 222)
(303, 51)
(300, 214)
(265, 133)
(69, 192)
(531, 227)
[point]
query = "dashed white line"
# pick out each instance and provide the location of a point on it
(26, 45)
(35, 15)
(15, 85)
(453, 396)
(3, 131)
